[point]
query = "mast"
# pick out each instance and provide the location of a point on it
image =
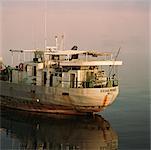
(56, 40)
(45, 24)
(62, 42)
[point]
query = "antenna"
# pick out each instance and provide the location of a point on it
(45, 24)
(62, 43)
(56, 39)
(114, 60)
(117, 54)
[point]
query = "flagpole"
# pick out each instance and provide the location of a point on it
(45, 24)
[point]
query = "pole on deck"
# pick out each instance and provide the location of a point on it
(12, 60)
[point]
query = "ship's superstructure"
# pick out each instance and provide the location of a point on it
(61, 81)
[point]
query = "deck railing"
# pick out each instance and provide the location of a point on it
(89, 84)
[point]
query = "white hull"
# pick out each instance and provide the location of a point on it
(81, 99)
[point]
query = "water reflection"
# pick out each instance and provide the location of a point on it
(20, 130)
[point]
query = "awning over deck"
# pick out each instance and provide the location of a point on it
(91, 63)
(65, 52)
(74, 52)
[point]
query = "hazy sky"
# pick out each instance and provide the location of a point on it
(102, 25)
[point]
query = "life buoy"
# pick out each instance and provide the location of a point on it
(21, 66)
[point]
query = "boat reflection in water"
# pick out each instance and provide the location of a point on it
(55, 132)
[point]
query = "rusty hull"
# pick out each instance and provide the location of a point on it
(34, 106)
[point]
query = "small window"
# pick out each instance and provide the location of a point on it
(45, 78)
(51, 80)
(34, 71)
(11, 76)
(60, 74)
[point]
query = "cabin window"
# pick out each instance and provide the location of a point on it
(75, 68)
(11, 76)
(45, 78)
(72, 80)
(51, 80)
(60, 74)
(76, 82)
(26, 68)
(34, 70)
(75, 56)
(55, 57)
(66, 69)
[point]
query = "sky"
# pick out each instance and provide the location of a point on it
(102, 25)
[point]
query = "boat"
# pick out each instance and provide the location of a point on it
(26, 130)
(57, 80)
